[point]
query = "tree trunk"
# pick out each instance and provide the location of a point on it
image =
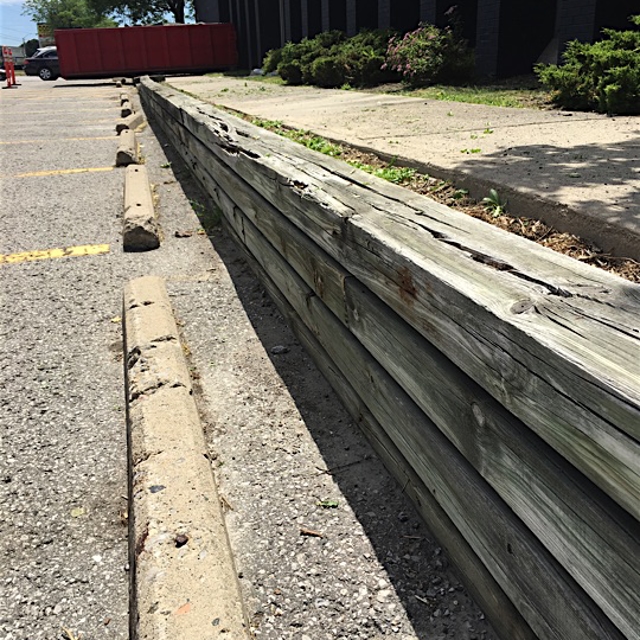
(177, 8)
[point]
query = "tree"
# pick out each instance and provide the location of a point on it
(66, 14)
(30, 47)
(143, 11)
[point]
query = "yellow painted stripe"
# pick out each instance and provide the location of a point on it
(50, 254)
(54, 140)
(63, 119)
(49, 112)
(60, 172)
(93, 97)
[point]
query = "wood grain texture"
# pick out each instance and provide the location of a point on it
(469, 303)
(598, 543)
(331, 227)
(505, 618)
(519, 563)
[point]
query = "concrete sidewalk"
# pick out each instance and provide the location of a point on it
(579, 172)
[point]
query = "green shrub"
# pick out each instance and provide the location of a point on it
(429, 55)
(331, 60)
(272, 59)
(363, 57)
(291, 72)
(621, 93)
(603, 76)
(328, 39)
(328, 72)
(293, 61)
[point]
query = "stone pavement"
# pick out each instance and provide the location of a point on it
(577, 171)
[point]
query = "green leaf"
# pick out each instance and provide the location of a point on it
(328, 504)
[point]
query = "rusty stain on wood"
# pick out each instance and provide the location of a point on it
(407, 287)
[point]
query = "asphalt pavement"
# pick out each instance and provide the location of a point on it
(63, 489)
(63, 546)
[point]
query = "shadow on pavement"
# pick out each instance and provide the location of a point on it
(72, 84)
(546, 170)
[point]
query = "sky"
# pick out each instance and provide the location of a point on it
(14, 27)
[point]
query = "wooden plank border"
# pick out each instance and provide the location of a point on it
(336, 287)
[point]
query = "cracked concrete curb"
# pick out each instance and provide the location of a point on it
(183, 579)
(132, 121)
(139, 225)
(128, 148)
(126, 109)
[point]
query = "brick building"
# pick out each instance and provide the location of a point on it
(509, 36)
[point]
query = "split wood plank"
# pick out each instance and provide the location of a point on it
(504, 617)
(316, 275)
(591, 441)
(519, 563)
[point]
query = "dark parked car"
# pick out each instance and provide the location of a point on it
(3, 75)
(44, 64)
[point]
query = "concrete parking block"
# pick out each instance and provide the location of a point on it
(184, 582)
(126, 109)
(128, 148)
(139, 229)
(130, 122)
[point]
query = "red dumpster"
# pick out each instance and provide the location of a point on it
(134, 51)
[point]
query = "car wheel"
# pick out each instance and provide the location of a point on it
(45, 74)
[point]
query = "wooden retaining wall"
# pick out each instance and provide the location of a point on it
(498, 380)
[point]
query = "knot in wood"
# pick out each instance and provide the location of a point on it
(521, 306)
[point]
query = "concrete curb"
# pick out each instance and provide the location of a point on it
(130, 122)
(183, 579)
(139, 227)
(126, 109)
(128, 149)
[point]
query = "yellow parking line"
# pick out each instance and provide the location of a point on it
(49, 254)
(59, 172)
(56, 140)
(49, 112)
(63, 119)
(87, 98)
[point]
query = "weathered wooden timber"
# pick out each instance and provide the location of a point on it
(486, 591)
(533, 329)
(534, 335)
(585, 533)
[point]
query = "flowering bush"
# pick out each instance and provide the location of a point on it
(429, 55)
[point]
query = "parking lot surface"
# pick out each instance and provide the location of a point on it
(63, 490)
(286, 455)
(63, 547)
